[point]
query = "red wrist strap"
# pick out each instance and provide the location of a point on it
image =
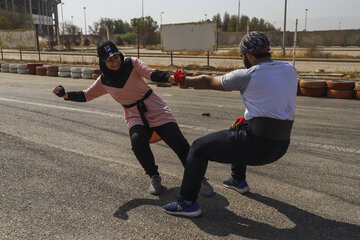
(240, 120)
(178, 77)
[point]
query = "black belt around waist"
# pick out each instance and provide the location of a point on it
(141, 107)
(270, 128)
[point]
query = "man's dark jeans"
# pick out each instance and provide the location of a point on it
(239, 147)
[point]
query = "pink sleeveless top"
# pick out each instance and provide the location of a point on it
(158, 113)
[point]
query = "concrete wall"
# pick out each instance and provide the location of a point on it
(80, 39)
(319, 38)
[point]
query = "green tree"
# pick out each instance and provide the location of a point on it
(230, 23)
(217, 19)
(243, 23)
(121, 27)
(18, 20)
(226, 21)
(130, 37)
(114, 26)
(72, 35)
(147, 28)
(233, 23)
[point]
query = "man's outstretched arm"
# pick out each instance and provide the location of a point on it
(204, 82)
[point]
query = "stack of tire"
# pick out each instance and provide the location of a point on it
(22, 68)
(41, 70)
(357, 90)
(76, 72)
(86, 73)
(13, 67)
(313, 88)
(340, 89)
(52, 71)
(31, 68)
(96, 73)
(5, 67)
(64, 71)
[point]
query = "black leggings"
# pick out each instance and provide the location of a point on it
(169, 133)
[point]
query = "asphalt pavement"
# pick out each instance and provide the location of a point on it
(68, 171)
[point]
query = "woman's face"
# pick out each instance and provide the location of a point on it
(114, 62)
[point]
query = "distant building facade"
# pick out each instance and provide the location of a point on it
(44, 13)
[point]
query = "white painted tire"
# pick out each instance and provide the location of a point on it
(86, 75)
(64, 74)
(5, 69)
(87, 70)
(21, 66)
(148, 81)
(76, 70)
(13, 69)
(65, 69)
(75, 75)
(5, 65)
(22, 70)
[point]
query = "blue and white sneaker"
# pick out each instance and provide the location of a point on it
(241, 187)
(181, 208)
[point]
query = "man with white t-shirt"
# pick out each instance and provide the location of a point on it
(268, 89)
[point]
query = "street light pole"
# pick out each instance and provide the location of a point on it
(161, 18)
(142, 8)
(306, 10)
(85, 19)
(238, 20)
(62, 18)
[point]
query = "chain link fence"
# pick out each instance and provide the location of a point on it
(332, 43)
(329, 44)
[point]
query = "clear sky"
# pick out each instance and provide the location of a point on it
(321, 14)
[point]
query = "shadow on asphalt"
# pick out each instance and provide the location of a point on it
(219, 221)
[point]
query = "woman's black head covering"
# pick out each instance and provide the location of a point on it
(110, 77)
(105, 52)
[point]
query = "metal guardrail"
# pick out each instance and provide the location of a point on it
(166, 55)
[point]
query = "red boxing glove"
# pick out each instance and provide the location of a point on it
(179, 77)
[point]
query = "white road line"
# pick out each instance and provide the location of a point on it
(293, 142)
(325, 146)
(64, 108)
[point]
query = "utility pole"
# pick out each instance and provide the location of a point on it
(161, 18)
(85, 19)
(142, 4)
(283, 43)
(238, 21)
(62, 18)
(306, 10)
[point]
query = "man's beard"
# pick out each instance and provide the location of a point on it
(247, 62)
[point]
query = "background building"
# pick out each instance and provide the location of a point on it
(43, 13)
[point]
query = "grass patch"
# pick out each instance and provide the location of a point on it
(153, 47)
